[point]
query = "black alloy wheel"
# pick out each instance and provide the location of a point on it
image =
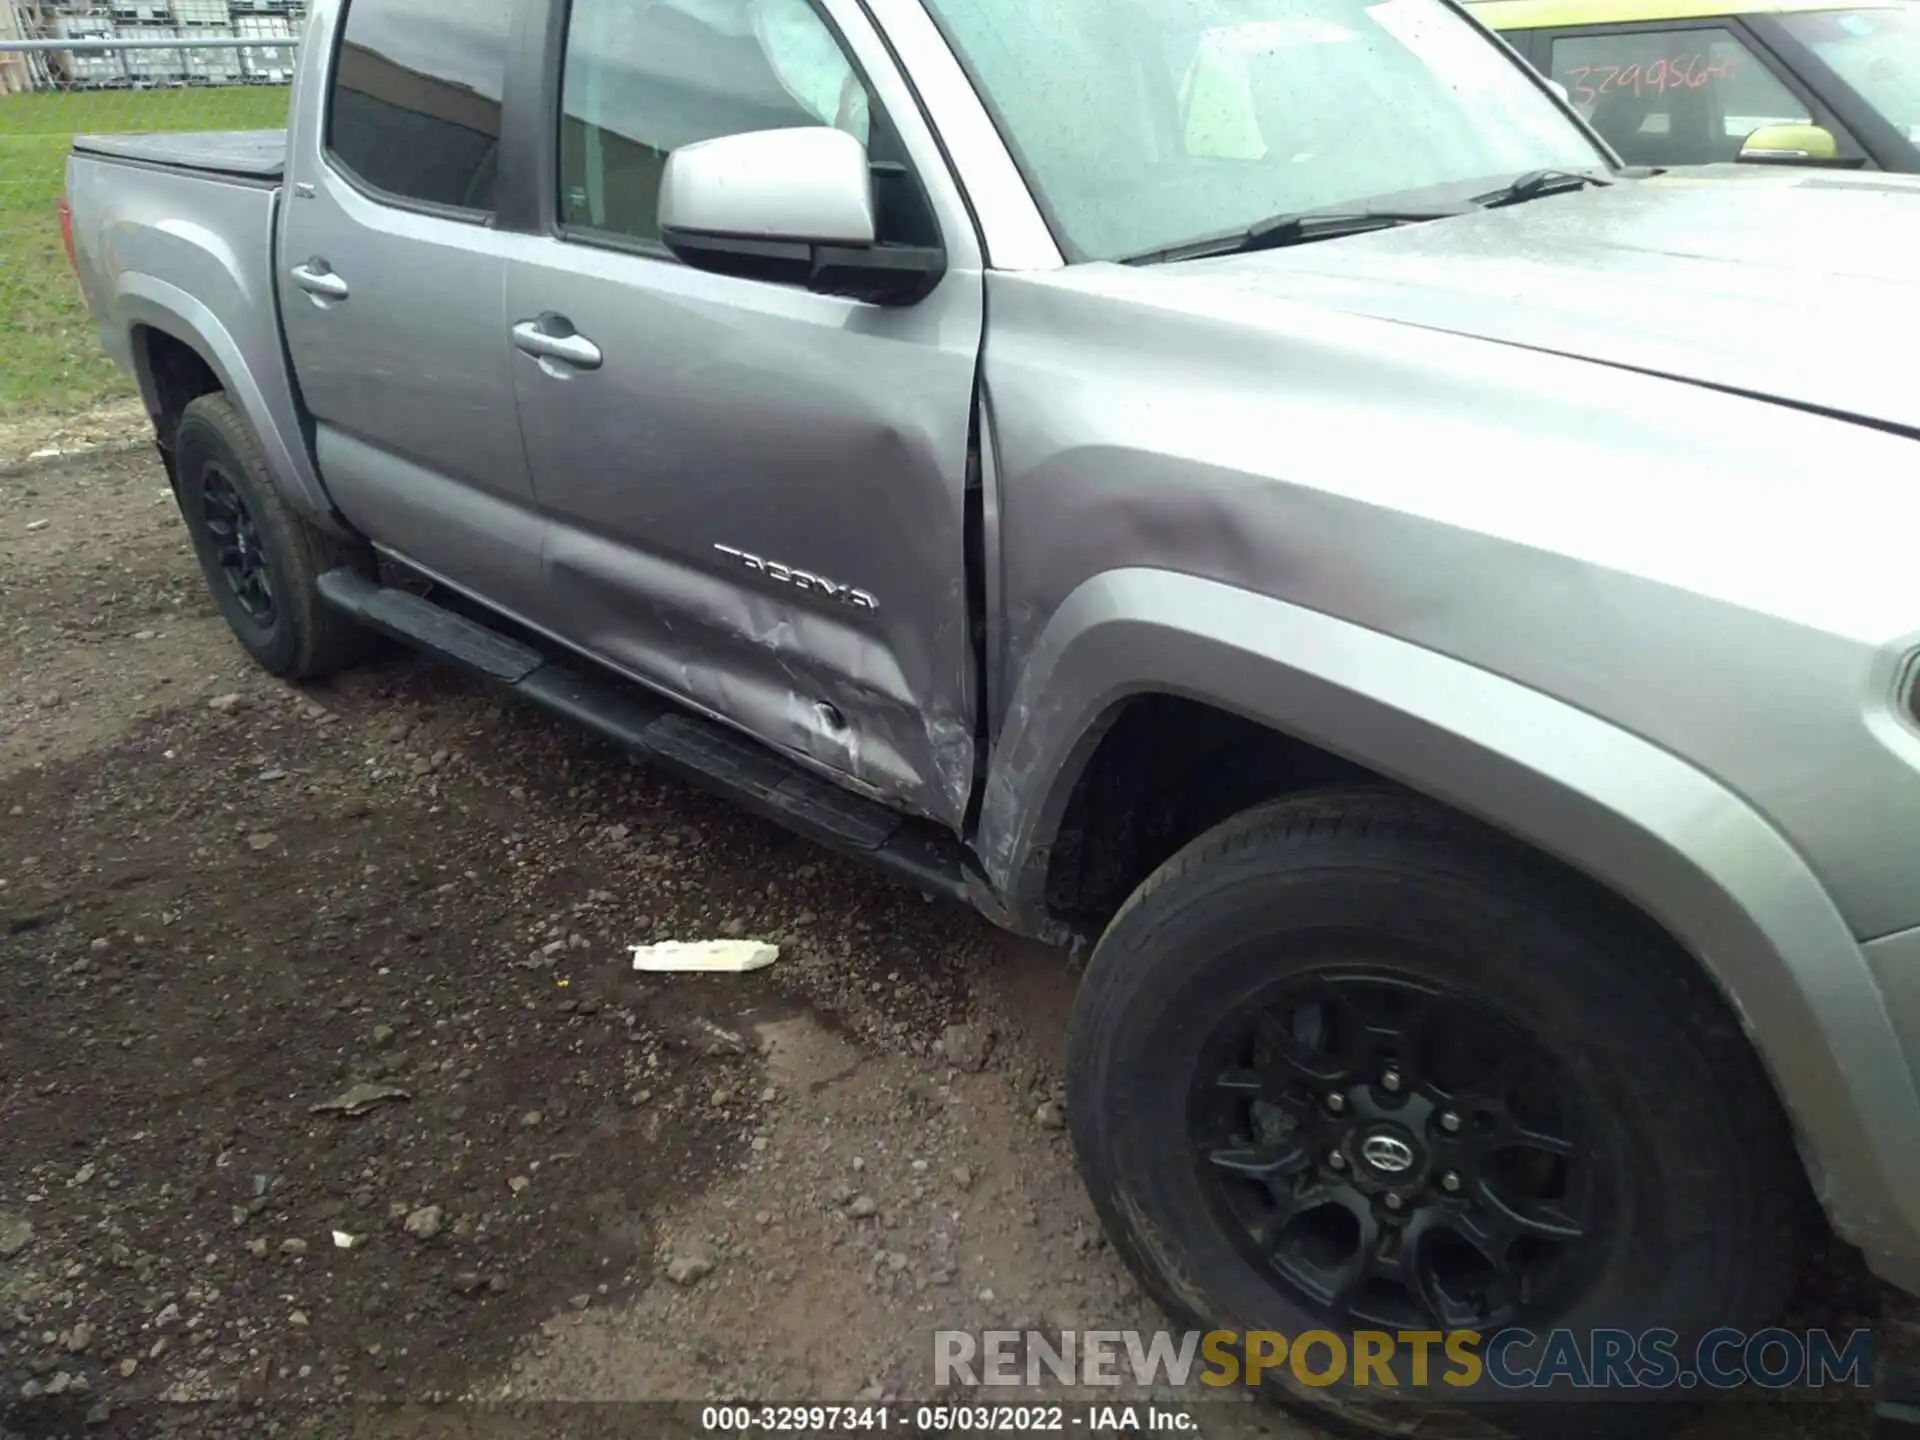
(241, 558)
(1398, 1156)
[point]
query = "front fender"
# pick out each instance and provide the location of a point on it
(1688, 852)
(141, 299)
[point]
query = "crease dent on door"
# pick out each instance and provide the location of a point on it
(833, 692)
(797, 569)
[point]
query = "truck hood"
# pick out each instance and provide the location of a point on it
(1800, 286)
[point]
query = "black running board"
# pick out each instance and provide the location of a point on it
(699, 750)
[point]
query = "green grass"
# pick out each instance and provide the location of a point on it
(50, 358)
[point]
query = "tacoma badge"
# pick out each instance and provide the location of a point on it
(803, 579)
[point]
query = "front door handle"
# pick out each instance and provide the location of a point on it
(538, 338)
(317, 279)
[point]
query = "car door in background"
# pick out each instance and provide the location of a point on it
(392, 283)
(1684, 93)
(1864, 62)
(756, 495)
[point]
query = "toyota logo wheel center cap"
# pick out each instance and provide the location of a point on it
(1387, 1152)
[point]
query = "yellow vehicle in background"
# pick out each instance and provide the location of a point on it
(1691, 82)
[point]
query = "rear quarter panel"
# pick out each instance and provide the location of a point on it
(191, 255)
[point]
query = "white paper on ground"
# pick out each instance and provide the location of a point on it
(713, 957)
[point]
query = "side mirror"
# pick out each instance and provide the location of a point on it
(1790, 145)
(792, 207)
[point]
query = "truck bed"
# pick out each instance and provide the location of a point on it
(242, 154)
(174, 235)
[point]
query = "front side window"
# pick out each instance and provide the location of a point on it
(1145, 124)
(415, 108)
(1673, 97)
(1874, 52)
(644, 77)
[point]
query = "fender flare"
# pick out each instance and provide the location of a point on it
(140, 300)
(1668, 838)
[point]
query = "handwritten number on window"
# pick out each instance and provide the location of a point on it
(1681, 72)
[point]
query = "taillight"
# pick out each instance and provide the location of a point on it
(66, 233)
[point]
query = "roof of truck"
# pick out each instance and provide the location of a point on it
(1539, 14)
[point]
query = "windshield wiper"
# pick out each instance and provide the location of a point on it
(1535, 183)
(1294, 229)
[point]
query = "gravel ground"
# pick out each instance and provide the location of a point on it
(228, 905)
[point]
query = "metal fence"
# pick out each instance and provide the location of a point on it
(53, 88)
(121, 44)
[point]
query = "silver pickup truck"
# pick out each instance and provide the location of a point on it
(1246, 484)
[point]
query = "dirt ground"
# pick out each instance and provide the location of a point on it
(225, 903)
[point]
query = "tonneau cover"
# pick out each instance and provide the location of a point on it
(248, 154)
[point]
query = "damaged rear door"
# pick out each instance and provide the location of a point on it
(757, 494)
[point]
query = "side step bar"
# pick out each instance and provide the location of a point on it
(697, 749)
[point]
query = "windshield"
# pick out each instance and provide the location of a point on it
(1143, 124)
(1876, 52)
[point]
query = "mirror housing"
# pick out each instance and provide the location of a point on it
(1791, 145)
(792, 207)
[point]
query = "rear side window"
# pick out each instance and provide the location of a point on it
(415, 108)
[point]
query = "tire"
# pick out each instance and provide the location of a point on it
(1297, 925)
(262, 561)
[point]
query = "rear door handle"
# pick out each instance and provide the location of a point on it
(316, 279)
(537, 338)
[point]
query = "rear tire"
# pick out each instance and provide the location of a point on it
(1328, 971)
(262, 561)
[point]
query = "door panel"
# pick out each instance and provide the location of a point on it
(757, 503)
(757, 500)
(392, 288)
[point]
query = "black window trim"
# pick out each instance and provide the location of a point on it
(1734, 25)
(1885, 147)
(432, 209)
(529, 159)
(1524, 42)
(544, 87)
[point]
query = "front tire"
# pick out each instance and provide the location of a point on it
(263, 562)
(1350, 1062)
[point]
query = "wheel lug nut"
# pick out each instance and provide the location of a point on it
(1450, 1122)
(1450, 1181)
(1394, 1202)
(1336, 1102)
(1390, 1081)
(1337, 1159)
